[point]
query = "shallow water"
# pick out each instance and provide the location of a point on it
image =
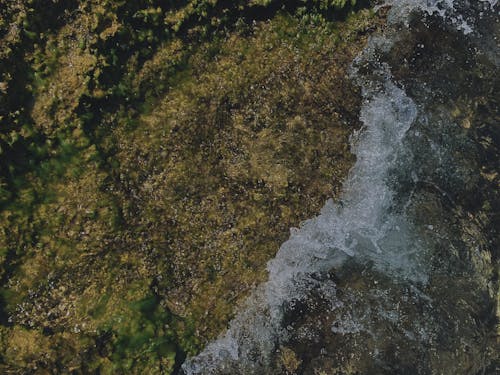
(400, 275)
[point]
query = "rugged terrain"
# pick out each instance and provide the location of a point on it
(153, 157)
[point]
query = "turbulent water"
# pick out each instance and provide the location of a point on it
(400, 275)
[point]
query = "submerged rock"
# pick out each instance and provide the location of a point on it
(401, 275)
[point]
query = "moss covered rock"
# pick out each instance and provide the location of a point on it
(153, 160)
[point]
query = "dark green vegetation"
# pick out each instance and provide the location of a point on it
(153, 156)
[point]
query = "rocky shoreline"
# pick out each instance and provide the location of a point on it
(149, 172)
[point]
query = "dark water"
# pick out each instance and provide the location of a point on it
(401, 276)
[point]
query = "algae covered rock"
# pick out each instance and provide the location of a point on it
(153, 159)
